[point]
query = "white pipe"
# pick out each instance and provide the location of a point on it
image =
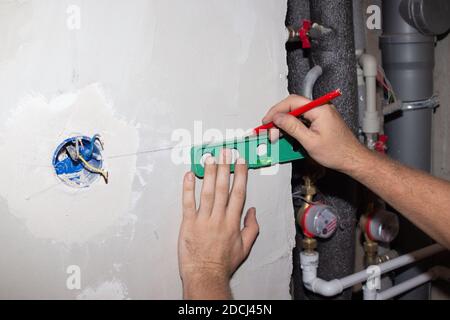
(369, 294)
(336, 286)
(406, 286)
(371, 120)
(434, 273)
(310, 80)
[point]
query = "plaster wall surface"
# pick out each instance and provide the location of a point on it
(441, 136)
(139, 73)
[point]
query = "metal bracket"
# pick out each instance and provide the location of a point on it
(258, 152)
(431, 103)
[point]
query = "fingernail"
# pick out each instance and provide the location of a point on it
(274, 135)
(210, 160)
(240, 161)
(190, 176)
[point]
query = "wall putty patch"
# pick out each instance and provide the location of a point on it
(49, 208)
(133, 75)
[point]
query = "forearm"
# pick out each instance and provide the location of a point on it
(421, 198)
(207, 287)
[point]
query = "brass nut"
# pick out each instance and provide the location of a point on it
(309, 244)
(371, 248)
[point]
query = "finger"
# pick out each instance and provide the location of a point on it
(250, 231)
(314, 114)
(293, 127)
(238, 192)
(189, 207)
(287, 105)
(274, 135)
(222, 182)
(208, 188)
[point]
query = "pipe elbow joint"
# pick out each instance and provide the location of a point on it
(369, 64)
(326, 288)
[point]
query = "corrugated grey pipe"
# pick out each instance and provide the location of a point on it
(310, 80)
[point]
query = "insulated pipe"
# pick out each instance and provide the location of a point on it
(335, 53)
(310, 80)
(336, 286)
(360, 47)
(359, 27)
(298, 63)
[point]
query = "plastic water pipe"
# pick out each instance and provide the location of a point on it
(371, 119)
(310, 81)
(309, 262)
(434, 273)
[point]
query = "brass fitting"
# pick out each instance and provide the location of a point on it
(388, 256)
(309, 244)
(309, 192)
(371, 253)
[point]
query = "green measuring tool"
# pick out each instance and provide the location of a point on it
(257, 151)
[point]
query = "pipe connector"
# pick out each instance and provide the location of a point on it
(369, 64)
(309, 261)
(327, 288)
(371, 120)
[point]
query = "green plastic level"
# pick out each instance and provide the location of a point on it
(257, 151)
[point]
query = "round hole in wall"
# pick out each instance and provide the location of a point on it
(71, 170)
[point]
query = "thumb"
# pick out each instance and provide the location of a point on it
(292, 126)
(250, 231)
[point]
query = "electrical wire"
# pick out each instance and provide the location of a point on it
(86, 164)
(92, 169)
(383, 79)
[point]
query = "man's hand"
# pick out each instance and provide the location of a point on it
(212, 244)
(331, 143)
(328, 140)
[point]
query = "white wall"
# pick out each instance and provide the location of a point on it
(134, 72)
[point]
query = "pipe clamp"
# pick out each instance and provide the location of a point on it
(431, 103)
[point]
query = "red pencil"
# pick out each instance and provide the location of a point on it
(302, 110)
